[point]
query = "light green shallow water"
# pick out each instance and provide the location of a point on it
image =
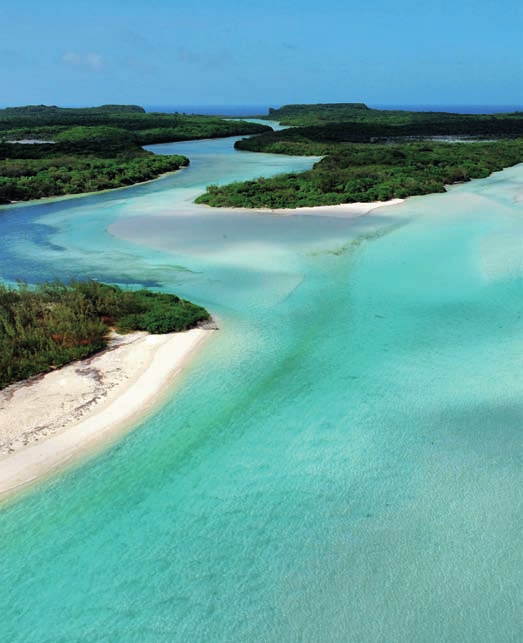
(341, 462)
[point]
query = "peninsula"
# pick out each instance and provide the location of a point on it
(373, 155)
(50, 151)
(78, 362)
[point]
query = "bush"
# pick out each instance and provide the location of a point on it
(54, 323)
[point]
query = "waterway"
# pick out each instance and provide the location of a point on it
(340, 463)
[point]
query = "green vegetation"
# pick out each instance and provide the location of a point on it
(373, 155)
(44, 123)
(23, 179)
(325, 139)
(359, 172)
(43, 111)
(52, 324)
(413, 123)
(299, 115)
(91, 149)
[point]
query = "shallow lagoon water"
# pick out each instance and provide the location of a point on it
(340, 463)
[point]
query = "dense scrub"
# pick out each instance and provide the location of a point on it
(53, 324)
(359, 172)
(21, 180)
(93, 149)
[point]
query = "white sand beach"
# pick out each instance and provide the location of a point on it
(50, 420)
(342, 210)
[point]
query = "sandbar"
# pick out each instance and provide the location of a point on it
(344, 209)
(341, 210)
(52, 420)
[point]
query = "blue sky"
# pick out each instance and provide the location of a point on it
(205, 52)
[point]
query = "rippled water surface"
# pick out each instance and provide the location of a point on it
(341, 462)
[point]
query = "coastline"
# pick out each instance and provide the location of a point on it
(52, 420)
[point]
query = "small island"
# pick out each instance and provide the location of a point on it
(372, 155)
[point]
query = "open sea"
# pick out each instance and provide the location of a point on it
(342, 460)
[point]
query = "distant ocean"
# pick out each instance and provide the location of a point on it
(256, 110)
(222, 110)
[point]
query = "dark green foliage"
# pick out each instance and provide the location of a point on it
(366, 173)
(21, 180)
(326, 139)
(53, 324)
(320, 113)
(94, 149)
(413, 123)
(195, 127)
(30, 122)
(158, 313)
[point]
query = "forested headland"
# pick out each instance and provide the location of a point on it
(373, 155)
(81, 150)
(52, 324)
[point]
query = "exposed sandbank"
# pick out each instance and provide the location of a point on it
(50, 420)
(341, 210)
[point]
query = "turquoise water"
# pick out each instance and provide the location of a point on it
(342, 460)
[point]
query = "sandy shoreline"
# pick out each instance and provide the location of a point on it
(342, 210)
(48, 421)
(51, 420)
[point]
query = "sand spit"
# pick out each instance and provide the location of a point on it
(49, 420)
(342, 210)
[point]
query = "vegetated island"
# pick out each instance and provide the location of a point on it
(373, 155)
(48, 151)
(84, 394)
